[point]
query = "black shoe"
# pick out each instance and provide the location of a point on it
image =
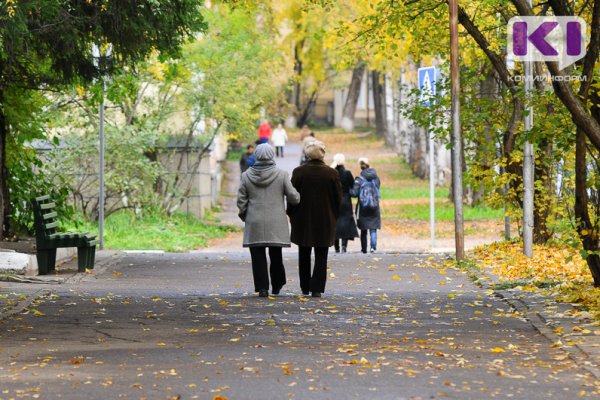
(263, 293)
(305, 293)
(276, 290)
(364, 251)
(316, 294)
(344, 250)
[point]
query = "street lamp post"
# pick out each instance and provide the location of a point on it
(97, 53)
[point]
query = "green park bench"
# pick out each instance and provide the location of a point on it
(48, 239)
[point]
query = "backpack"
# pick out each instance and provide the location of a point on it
(368, 195)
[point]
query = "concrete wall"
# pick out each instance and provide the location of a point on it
(203, 176)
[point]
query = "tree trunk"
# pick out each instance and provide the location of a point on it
(4, 193)
(297, 92)
(543, 176)
(379, 104)
(587, 232)
(352, 99)
(308, 109)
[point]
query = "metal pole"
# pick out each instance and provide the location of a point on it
(457, 185)
(101, 195)
(431, 188)
(528, 160)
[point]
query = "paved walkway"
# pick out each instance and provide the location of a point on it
(185, 326)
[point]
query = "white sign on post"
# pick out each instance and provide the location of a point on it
(427, 79)
(427, 90)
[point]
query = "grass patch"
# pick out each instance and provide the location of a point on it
(413, 192)
(180, 232)
(444, 211)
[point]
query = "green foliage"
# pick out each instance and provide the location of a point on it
(51, 40)
(235, 69)
(47, 45)
(130, 175)
(25, 109)
(152, 230)
(160, 111)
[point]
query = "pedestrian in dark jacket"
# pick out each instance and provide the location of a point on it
(346, 225)
(369, 216)
(261, 206)
(248, 159)
(314, 219)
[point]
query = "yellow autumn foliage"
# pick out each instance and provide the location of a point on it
(550, 263)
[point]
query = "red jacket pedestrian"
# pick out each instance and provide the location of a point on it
(264, 132)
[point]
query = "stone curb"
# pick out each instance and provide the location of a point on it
(535, 317)
(534, 314)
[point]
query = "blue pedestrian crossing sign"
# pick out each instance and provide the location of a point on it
(427, 77)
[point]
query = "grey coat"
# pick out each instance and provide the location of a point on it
(261, 205)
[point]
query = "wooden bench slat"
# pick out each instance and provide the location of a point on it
(50, 215)
(42, 198)
(47, 206)
(51, 225)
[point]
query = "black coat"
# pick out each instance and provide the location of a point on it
(371, 218)
(314, 219)
(346, 225)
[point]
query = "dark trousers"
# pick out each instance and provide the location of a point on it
(259, 268)
(314, 282)
(279, 151)
(344, 244)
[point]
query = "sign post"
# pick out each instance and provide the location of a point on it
(427, 80)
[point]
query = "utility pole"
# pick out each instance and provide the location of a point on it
(528, 161)
(97, 52)
(457, 185)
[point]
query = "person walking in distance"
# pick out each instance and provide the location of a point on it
(264, 132)
(306, 136)
(279, 138)
(261, 206)
(366, 188)
(314, 219)
(248, 159)
(346, 225)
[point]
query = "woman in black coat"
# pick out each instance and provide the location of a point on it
(314, 219)
(346, 225)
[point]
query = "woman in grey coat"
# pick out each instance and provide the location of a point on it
(261, 206)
